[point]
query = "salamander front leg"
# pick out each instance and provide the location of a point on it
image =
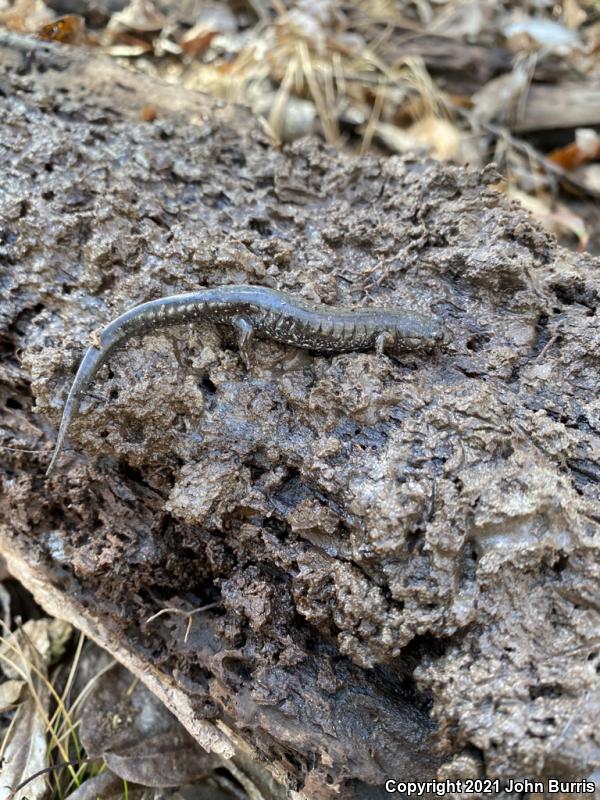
(245, 333)
(384, 341)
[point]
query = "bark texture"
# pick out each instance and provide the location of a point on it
(400, 555)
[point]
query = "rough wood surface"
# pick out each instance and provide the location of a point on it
(566, 104)
(401, 556)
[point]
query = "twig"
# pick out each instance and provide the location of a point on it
(181, 612)
(523, 147)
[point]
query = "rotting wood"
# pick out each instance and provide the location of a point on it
(363, 529)
(563, 105)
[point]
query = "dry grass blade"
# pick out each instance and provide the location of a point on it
(371, 125)
(35, 737)
(328, 120)
(23, 750)
(32, 736)
(276, 118)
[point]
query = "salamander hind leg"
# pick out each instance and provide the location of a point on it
(245, 333)
(384, 342)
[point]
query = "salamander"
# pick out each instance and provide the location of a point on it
(250, 309)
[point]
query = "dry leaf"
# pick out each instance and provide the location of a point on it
(197, 39)
(551, 36)
(105, 786)
(25, 750)
(212, 21)
(47, 636)
(10, 692)
(148, 114)
(127, 50)
(441, 137)
(589, 177)
(559, 220)
(160, 761)
(69, 29)
(26, 16)
(137, 737)
(398, 140)
(573, 14)
(140, 16)
(586, 147)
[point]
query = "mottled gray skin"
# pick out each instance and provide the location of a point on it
(278, 315)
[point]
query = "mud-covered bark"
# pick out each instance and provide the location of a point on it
(399, 556)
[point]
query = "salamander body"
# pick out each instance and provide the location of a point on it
(257, 309)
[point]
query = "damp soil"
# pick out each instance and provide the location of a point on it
(399, 556)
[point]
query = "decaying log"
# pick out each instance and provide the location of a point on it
(399, 556)
(564, 105)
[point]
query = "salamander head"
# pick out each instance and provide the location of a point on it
(417, 332)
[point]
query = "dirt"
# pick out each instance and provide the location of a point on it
(400, 555)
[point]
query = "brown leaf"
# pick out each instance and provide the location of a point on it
(197, 39)
(586, 147)
(105, 786)
(160, 761)
(26, 16)
(148, 114)
(214, 20)
(141, 742)
(69, 29)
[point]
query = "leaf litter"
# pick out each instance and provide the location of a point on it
(76, 724)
